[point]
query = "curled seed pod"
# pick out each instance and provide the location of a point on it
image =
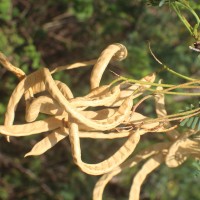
(42, 104)
(179, 153)
(59, 134)
(102, 182)
(115, 51)
(146, 153)
(15, 70)
(98, 91)
(32, 128)
(34, 79)
(99, 114)
(98, 124)
(73, 66)
(65, 90)
(175, 156)
(12, 104)
(138, 120)
(127, 89)
(190, 148)
(100, 135)
(102, 100)
(161, 111)
(45, 104)
(106, 165)
(139, 178)
(47, 142)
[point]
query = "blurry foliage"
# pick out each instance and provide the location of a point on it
(52, 33)
(5, 9)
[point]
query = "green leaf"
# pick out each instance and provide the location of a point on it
(195, 122)
(189, 123)
(184, 122)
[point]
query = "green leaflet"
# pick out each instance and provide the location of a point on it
(191, 122)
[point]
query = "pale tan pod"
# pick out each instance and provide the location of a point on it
(127, 89)
(59, 134)
(96, 115)
(43, 104)
(131, 162)
(29, 97)
(138, 120)
(102, 182)
(139, 178)
(190, 148)
(73, 66)
(12, 104)
(32, 128)
(98, 91)
(99, 114)
(107, 165)
(115, 51)
(47, 105)
(161, 111)
(100, 135)
(96, 124)
(33, 80)
(15, 70)
(121, 113)
(67, 93)
(186, 148)
(175, 157)
(102, 100)
(48, 142)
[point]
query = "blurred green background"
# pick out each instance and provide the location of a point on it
(35, 34)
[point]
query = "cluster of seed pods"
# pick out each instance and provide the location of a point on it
(115, 116)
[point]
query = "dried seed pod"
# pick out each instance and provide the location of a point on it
(42, 104)
(48, 142)
(106, 165)
(139, 178)
(99, 114)
(115, 51)
(59, 134)
(65, 90)
(175, 156)
(138, 120)
(161, 111)
(146, 153)
(102, 100)
(15, 70)
(98, 124)
(127, 89)
(45, 104)
(98, 91)
(102, 182)
(100, 135)
(32, 128)
(33, 81)
(73, 66)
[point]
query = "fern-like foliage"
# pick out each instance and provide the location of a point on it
(196, 165)
(191, 122)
